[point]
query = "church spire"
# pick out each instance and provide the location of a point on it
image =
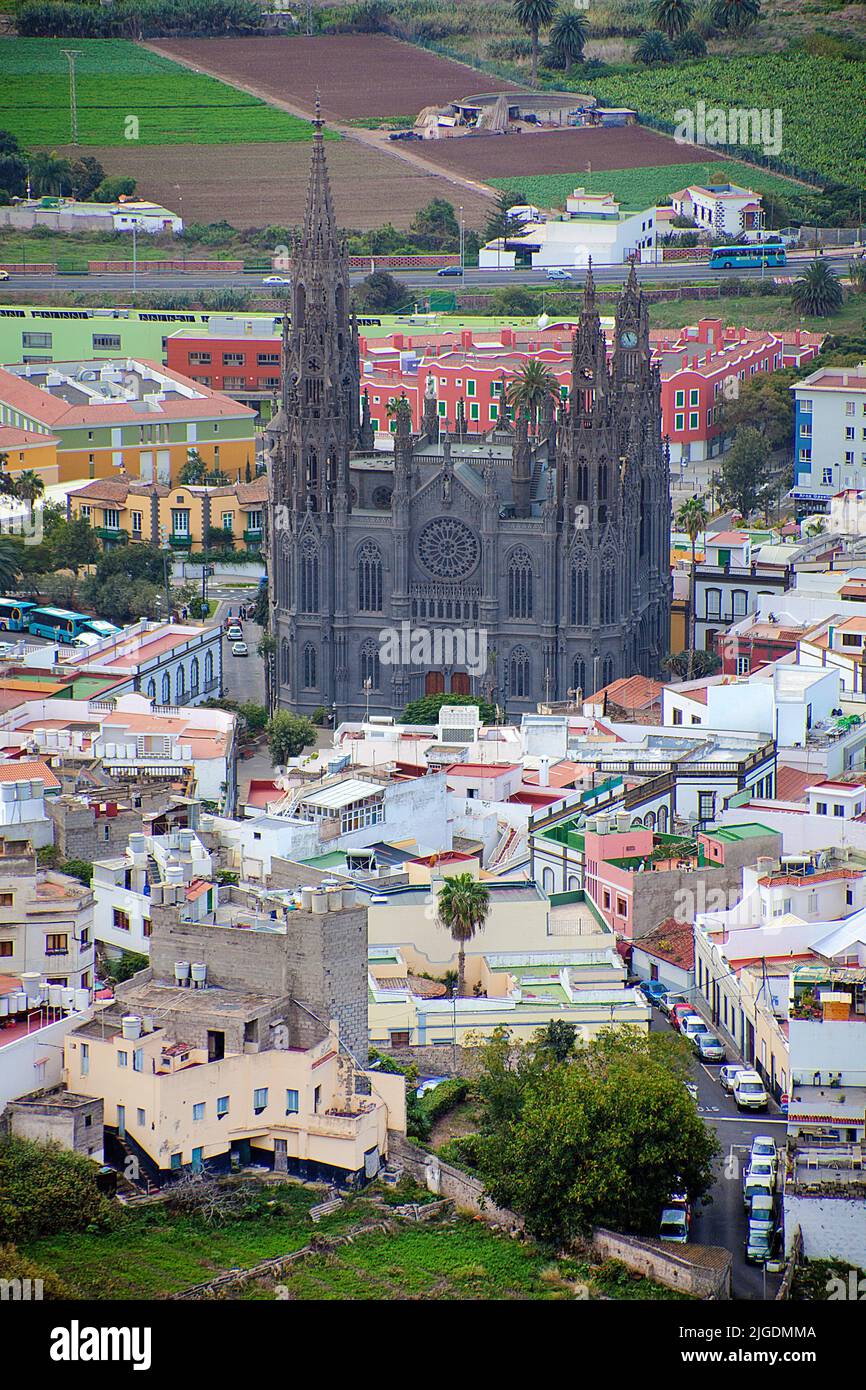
(319, 237)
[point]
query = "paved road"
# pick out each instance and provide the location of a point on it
(723, 1221)
(473, 278)
(243, 676)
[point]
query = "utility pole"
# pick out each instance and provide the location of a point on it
(309, 17)
(70, 54)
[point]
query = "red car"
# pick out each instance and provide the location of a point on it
(679, 1012)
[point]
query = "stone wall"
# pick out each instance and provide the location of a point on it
(463, 1190)
(431, 1061)
(704, 1271)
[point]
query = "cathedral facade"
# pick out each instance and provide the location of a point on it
(542, 545)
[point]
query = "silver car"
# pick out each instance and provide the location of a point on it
(728, 1075)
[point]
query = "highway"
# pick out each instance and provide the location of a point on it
(115, 285)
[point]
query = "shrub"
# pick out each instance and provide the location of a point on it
(45, 1190)
(463, 1152)
(690, 45)
(444, 1097)
(14, 1265)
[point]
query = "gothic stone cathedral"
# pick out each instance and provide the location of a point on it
(554, 543)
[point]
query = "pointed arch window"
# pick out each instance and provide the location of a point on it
(151, 689)
(208, 670)
(370, 670)
(519, 667)
(520, 583)
(608, 594)
(578, 674)
(310, 667)
(579, 594)
(180, 685)
(166, 688)
(309, 577)
(284, 662)
(194, 672)
(370, 578)
(607, 671)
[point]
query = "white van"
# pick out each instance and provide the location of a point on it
(749, 1092)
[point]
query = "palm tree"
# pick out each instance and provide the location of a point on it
(857, 274)
(10, 563)
(568, 37)
(462, 907)
(735, 15)
(653, 47)
(692, 517)
(533, 15)
(672, 16)
(532, 384)
(817, 291)
(49, 173)
(29, 486)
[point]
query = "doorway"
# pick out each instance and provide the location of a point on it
(460, 683)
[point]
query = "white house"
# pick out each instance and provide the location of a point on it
(723, 209)
(592, 227)
(122, 886)
(829, 433)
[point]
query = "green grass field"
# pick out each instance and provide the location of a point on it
(636, 189)
(117, 81)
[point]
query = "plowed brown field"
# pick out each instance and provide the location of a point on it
(265, 185)
(557, 152)
(358, 75)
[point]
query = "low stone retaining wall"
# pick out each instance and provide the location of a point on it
(464, 1191)
(430, 1061)
(704, 1271)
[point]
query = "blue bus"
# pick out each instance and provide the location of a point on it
(60, 624)
(100, 627)
(760, 253)
(13, 614)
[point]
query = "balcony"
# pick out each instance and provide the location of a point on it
(111, 533)
(180, 541)
(253, 536)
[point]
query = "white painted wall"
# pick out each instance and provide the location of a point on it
(832, 1227)
(35, 1060)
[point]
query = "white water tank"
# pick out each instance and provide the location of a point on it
(198, 970)
(82, 999)
(335, 899)
(320, 901)
(4, 1005)
(130, 1026)
(30, 980)
(307, 899)
(67, 999)
(350, 897)
(55, 996)
(181, 973)
(623, 822)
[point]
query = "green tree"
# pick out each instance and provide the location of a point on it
(45, 1190)
(764, 401)
(533, 16)
(462, 908)
(288, 735)
(381, 292)
(129, 964)
(499, 224)
(857, 274)
(13, 166)
(74, 544)
(568, 38)
(673, 17)
(85, 176)
(602, 1138)
(817, 291)
(735, 15)
(110, 189)
(692, 517)
(531, 386)
(426, 710)
(437, 224)
(255, 715)
(558, 1038)
(49, 173)
(692, 665)
(653, 47)
(10, 562)
(744, 471)
(29, 486)
(689, 45)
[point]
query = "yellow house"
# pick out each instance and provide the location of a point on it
(126, 413)
(176, 1106)
(191, 518)
(29, 449)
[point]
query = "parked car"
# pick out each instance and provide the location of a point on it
(276, 280)
(749, 1092)
(557, 273)
(679, 1012)
(691, 1025)
(764, 1147)
(235, 633)
(240, 649)
(760, 1184)
(762, 1168)
(710, 1048)
(450, 270)
(4, 274)
(729, 1074)
(674, 1225)
(667, 1001)
(759, 1244)
(652, 990)
(761, 1210)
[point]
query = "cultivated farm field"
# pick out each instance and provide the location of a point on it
(358, 75)
(638, 188)
(491, 157)
(116, 80)
(266, 184)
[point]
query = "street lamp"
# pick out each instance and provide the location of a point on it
(368, 686)
(462, 245)
(134, 225)
(166, 551)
